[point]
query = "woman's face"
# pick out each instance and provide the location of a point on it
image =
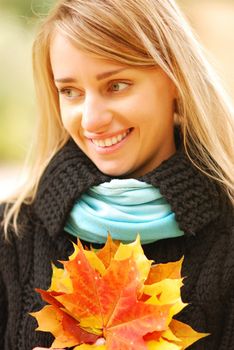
(120, 116)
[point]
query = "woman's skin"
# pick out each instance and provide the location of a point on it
(101, 101)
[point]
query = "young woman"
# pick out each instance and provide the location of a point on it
(135, 135)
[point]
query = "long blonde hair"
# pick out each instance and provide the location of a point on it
(139, 33)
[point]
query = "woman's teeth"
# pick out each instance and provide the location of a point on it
(111, 141)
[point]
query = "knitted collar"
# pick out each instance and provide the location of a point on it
(195, 199)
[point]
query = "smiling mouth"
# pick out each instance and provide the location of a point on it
(112, 140)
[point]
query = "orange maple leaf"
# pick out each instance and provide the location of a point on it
(107, 253)
(117, 296)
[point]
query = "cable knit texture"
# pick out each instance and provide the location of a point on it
(202, 212)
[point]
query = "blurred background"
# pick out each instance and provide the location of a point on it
(213, 23)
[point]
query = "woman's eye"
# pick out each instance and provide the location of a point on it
(69, 93)
(118, 86)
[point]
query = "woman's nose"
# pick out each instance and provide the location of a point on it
(95, 115)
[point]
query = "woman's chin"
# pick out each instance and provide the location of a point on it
(114, 171)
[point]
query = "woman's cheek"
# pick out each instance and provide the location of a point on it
(71, 118)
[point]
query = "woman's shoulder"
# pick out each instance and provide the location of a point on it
(228, 263)
(220, 257)
(16, 248)
(25, 224)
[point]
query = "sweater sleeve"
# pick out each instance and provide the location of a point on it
(3, 312)
(227, 339)
(3, 299)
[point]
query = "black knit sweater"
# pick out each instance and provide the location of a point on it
(202, 212)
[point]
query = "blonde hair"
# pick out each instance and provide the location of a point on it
(139, 33)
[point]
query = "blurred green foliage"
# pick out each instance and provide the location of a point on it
(28, 8)
(17, 105)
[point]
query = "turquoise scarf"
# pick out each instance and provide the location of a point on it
(124, 208)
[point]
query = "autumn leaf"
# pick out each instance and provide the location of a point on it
(162, 344)
(159, 272)
(90, 347)
(95, 296)
(185, 333)
(114, 298)
(60, 280)
(107, 253)
(64, 328)
(134, 250)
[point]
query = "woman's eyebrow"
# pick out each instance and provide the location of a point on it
(110, 73)
(66, 80)
(98, 76)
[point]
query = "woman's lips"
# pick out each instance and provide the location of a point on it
(111, 144)
(110, 141)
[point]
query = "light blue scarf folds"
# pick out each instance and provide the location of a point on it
(124, 208)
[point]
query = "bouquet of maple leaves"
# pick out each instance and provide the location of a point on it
(115, 299)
